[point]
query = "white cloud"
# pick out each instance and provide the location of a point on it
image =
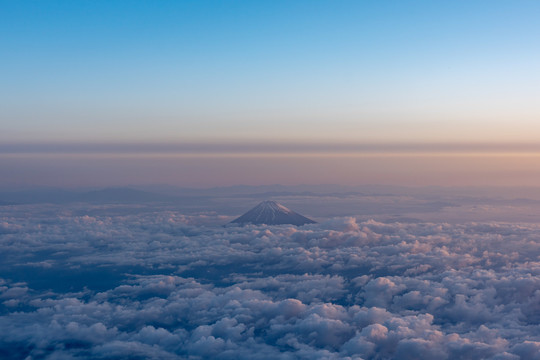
(162, 285)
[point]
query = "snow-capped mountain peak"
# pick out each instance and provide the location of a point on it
(272, 213)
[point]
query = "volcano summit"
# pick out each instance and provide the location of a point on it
(271, 213)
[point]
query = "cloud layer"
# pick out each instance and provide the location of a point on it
(164, 285)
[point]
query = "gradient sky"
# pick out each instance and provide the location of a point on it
(222, 72)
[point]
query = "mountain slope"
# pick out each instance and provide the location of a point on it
(272, 213)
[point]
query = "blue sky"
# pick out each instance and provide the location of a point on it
(410, 71)
(300, 91)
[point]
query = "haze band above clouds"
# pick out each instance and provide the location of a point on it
(246, 147)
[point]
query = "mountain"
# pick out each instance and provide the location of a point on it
(59, 196)
(272, 213)
(121, 195)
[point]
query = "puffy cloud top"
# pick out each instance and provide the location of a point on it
(160, 285)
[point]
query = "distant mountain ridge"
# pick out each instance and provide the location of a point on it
(59, 196)
(271, 213)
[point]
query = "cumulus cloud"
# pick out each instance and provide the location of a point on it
(163, 285)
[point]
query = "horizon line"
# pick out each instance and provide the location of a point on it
(247, 149)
